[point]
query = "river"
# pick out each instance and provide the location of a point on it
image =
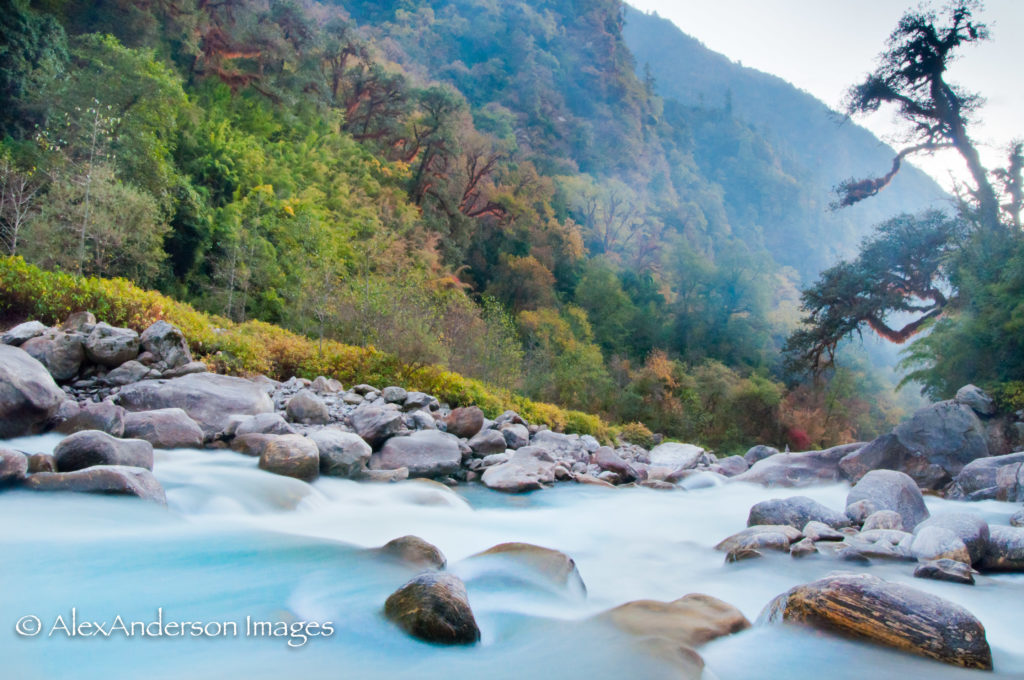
(237, 544)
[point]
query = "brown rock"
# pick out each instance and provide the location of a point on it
(434, 607)
(465, 421)
(692, 620)
(414, 551)
(109, 479)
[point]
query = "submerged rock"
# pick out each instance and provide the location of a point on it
(414, 551)
(891, 614)
(953, 571)
(554, 565)
(109, 479)
(434, 607)
(691, 621)
(92, 447)
(28, 394)
(772, 537)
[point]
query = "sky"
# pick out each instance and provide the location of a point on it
(824, 46)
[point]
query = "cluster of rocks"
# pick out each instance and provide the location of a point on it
(885, 519)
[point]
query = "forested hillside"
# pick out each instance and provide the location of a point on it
(486, 186)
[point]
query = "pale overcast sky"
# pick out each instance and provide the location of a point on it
(824, 46)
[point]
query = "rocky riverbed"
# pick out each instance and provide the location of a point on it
(128, 412)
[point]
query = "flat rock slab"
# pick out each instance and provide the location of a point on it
(428, 453)
(891, 614)
(168, 428)
(805, 468)
(108, 479)
(92, 447)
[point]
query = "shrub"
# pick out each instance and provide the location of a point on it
(637, 433)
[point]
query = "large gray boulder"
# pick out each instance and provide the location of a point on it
(528, 469)
(28, 394)
(758, 453)
(434, 607)
(932, 543)
(166, 428)
(1010, 483)
(608, 460)
(107, 479)
(167, 344)
(977, 480)
(427, 453)
(890, 490)
(375, 424)
(208, 398)
(795, 511)
(291, 455)
(968, 527)
(933, 446)
(342, 454)
(1005, 551)
(262, 423)
(92, 447)
(103, 416)
(307, 408)
(676, 456)
(805, 468)
(892, 614)
(977, 399)
(61, 353)
(22, 333)
(110, 346)
(516, 435)
(486, 442)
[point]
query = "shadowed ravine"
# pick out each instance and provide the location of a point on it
(237, 542)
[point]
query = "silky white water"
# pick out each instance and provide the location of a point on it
(236, 542)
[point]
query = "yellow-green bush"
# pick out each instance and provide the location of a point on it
(257, 347)
(637, 433)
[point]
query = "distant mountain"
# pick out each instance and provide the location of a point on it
(813, 143)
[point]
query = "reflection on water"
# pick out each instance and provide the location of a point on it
(236, 542)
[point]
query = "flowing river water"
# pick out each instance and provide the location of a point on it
(237, 542)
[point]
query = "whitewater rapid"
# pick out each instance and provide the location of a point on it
(236, 542)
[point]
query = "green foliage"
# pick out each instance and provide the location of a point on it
(637, 433)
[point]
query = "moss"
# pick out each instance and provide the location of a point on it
(257, 347)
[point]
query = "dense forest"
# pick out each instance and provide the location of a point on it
(496, 187)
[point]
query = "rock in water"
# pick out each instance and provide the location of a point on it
(692, 620)
(111, 479)
(291, 455)
(554, 565)
(91, 447)
(758, 453)
(342, 454)
(28, 394)
(528, 469)
(102, 416)
(891, 614)
(937, 543)
(414, 551)
(465, 422)
(891, 490)
(427, 453)
(796, 511)
(166, 428)
(13, 467)
(946, 570)
(968, 527)
(806, 468)
(434, 607)
(207, 398)
(1005, 550)
(978, 481)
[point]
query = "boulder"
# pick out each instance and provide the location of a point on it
(103, 416)
(528, 469)
(883, 519)
(936, 543)
(932, 446)
(252, 444)
(83, 322)
(606, 459)
(22, 333)
(968, 527)
(387, 476)
(417, 400)
(795, 511)
(1010, 483)
(185, 369)
(465, 421)
(427, 453)
(434, 607)
(414, 551)
(758, 453)
(13, 467)
(307, 408)
(342, 454)
(208, 398)
(110, 346)
(109, 479)
(325, 385)
(130, 372)
(516, 435)
(166, 428)
(975, 398)
(394, 395)
(42, 462)
(375, 425)
(819, 531)
(945, 570)
(690, 621)
(487, 442)
(28, 394)
(1005, 551)
(262, 423)
(675, 456)
(554, 565)
(891, 490)
(805, 468)
(773, 537)
(977, 480)
(61, 353)
(730, 466)
(92, 447)
(891, 614)
(291, 455)
(167, 344)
